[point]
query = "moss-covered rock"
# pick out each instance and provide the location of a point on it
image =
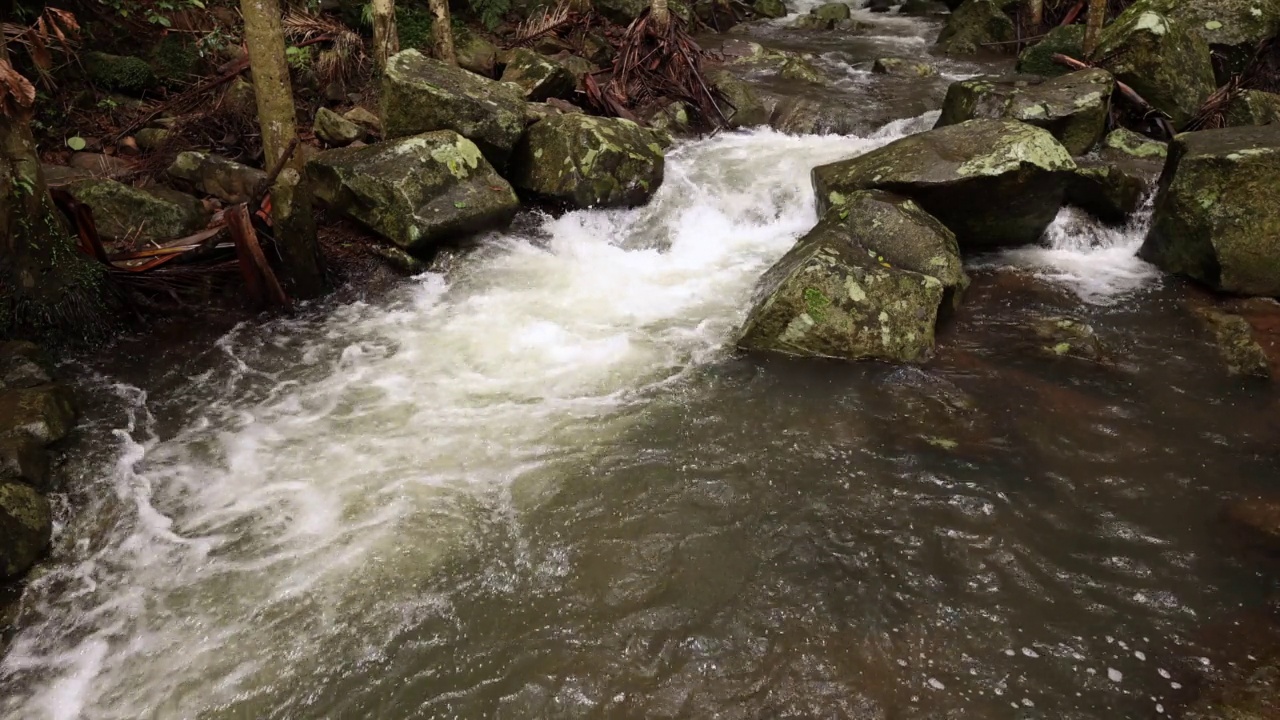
(1073, 107)
(1067, 337)
(1038, 59)
(973, 25)
(176, 59)
(1233, 28)
(867, 283)
(26, 523)
(1160, 58)
(1123, 142)
(769, 8)
(417, 191)
(745, 108)
(119, 73)
(477, 55)
(1233, 337)
(23, 365)
(46, 413)
(797, 115)
(1253, 107)
(994, 183)
(1216, 217)
(903, 67)
(421, 95)
(587, 161)
(538, 77)
(1109, 192)
(24, 459)
(371, 123)
(335, 130)
(126, 213)
(833, 12)
(217, 176)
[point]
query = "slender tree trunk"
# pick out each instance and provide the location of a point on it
(1037, 15)
(385, 41)
(442, 32)
(1093, 28)
(292, 221)
(659, 14)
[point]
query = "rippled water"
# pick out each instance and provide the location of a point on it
(544, 486)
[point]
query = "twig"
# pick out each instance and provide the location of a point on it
(274, 172)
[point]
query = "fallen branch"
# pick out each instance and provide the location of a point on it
(262, 284)
(1129, 93)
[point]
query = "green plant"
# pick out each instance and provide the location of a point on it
(413, 27)
(299, 58)
(154, 11)
(490, 12)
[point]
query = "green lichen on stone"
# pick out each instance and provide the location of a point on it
(125, 213)
(539, 78)
(587, 161)
(1064, 40)
(1132, 144)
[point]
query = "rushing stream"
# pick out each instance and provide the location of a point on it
(542, 485)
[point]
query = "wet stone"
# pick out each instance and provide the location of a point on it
(1067, 337)
(26, 523)
(45, 413)
(23, 365)
(1233, 337)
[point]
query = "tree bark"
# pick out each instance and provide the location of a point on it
(292, 221)
(442, 32)
(659, 14)
(1037, 15)
(385, 41)
(1093, 26)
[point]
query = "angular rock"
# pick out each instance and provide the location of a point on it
(23, 365)
(1127, 143)
(769, 8)
(150, 139)
(45, 413)
(371, 123)
(587, 161)
(477, 55)
(125, 213)
(119, 73)
(832, 12)
(1073, 107)
(416, 191)
(1234, 339)
(1253, 107)
(1161, 59)
(335, 130)
(217, 176)
(421, 95)
(994, 183)
(1216, 218)
(1107, 191)
(1038, 59)
(578, 67)
(1232, 28)
(539, 77)
(974, 24)
(812, 116)
(745, 107)
(24, 459)
(26, 524)
(902, 67)
(867, 282)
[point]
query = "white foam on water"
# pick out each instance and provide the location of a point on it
(324, 462)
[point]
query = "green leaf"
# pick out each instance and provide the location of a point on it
(76, 143)
(459, 204)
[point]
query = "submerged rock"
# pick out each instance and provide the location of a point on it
(1216, 218)
(1234, 338)
(1253, 107)
(217, 176)
(1160, 58)
(589, 161)
(1038, 58)
(45, 413)
(1109, 192)
(745, 107)
(421, 95)
(903, 67)
(1073, 107)
(335, 130)
(975, 24)
(539, 77)
(416, 191)
(867, 282)
(1257, 521)
(994, 183)
(26, 523)
(1067, 337)
(142, 215)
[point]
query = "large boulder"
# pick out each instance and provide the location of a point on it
(1125, 143)
(1037, 59)
(1232, 28)
(1216, 217)
(587, 161)
(45, 413)
(1110, 192)
(974, 25)
(421, 95)
(26, 523)
(868, 282)
(994, 183)
(416, 191)
(1160, 58)
(217, 176)
(1073, 107)
(139, 215)
(744, 106)
(539, 77)
(1253, 107)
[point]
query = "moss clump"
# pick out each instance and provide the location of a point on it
(1038, 59)
(119, 73)
(175, 59)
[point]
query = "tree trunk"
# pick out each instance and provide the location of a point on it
(659, 14)
(385, 41)
(292, 222)
(1037, 15)
(1093, 28)
(442, 32)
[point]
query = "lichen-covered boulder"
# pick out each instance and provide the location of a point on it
(587, 161)
(119, 73)
(1160, 58)
(539, 77)
(126, 213)
(1073, 107)
(1253, 107)
(216, 175)
(421, 95)
(741, 105)
(867, 282)
(1232, 28)
(26, 524)
(1216, 217)
(994, 183)
(1123, 142)
(335, 130)
(416, 191)
(973, 25)
(769, 8)
(45, 413)
(833, 12)
(1037, 59)
(1109, 192)
(477, 55)
(1233, 337)
(903, 67)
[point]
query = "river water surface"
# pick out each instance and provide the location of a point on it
(543, 485)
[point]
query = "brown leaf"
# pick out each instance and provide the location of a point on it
(17, 94)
